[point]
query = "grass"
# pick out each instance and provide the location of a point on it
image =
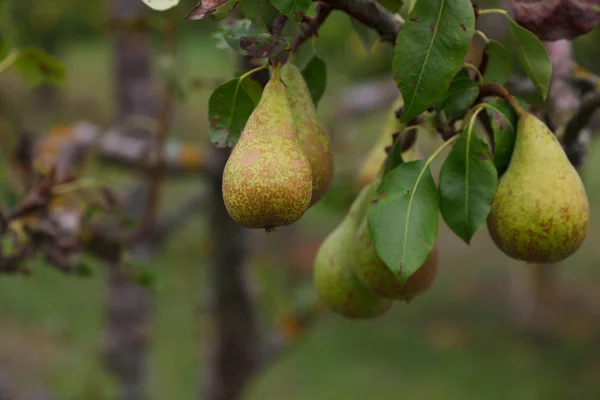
(455, 342)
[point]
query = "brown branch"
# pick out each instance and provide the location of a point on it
(312, 28)
(278, 25)
(372, 14)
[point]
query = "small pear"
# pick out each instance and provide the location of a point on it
(377, 155)
(314, 139)
(337, 286)
(376, 276)
(540, 212)
(267, 181)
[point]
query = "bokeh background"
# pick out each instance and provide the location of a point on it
(459, 340)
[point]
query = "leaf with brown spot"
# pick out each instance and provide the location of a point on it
(204, 7)
(229, 108)
(552, 20)
(263, 46)
(293, 9)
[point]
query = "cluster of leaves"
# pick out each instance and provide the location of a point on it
(432, 76)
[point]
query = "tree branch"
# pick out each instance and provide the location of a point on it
(372, 14)
(312, 28)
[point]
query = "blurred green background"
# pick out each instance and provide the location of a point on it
(456, 341)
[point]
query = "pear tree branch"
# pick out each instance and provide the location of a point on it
(372, 14)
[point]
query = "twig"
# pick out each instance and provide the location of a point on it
(278, 25)
(372, 14)
(312, 28)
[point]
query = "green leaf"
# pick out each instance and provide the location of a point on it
(229, 108)
(293, 9)
(37, 67)
(532, 56)
(160, 5)
(315, 75)
(368, 36)
(403, 217)
(503, 120)
(460, 96)
(429, 51)
(407, 8)
(499, 65)
(468, 182)
(252, 89)
(394, 158)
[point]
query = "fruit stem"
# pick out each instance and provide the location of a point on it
(493, 11)
(247, 74)
(474, 69)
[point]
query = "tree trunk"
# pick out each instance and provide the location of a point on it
(234, 353)
(128, 304)
(131, 64)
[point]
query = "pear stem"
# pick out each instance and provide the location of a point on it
(491, 89)
(474, 69)
(493, 11)
(247, 74)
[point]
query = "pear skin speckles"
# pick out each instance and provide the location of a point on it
(267, 181)
(267, 188)
(540, 212)
(312, 134)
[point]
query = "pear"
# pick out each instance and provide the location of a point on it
(375, 275)
(313, 136)
(335, 282)
(377, 155)
(540, 212)
(267, 180)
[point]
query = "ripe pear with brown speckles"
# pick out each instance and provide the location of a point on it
(337, 285)
(377, 277)
(377, 155)
(267, 181)
(313, 136)
(540, 212)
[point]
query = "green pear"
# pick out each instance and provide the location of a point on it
(376, 276)
(267, 181)
(540, 212)
(374, 160)
(337, 286)
(314, 139)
